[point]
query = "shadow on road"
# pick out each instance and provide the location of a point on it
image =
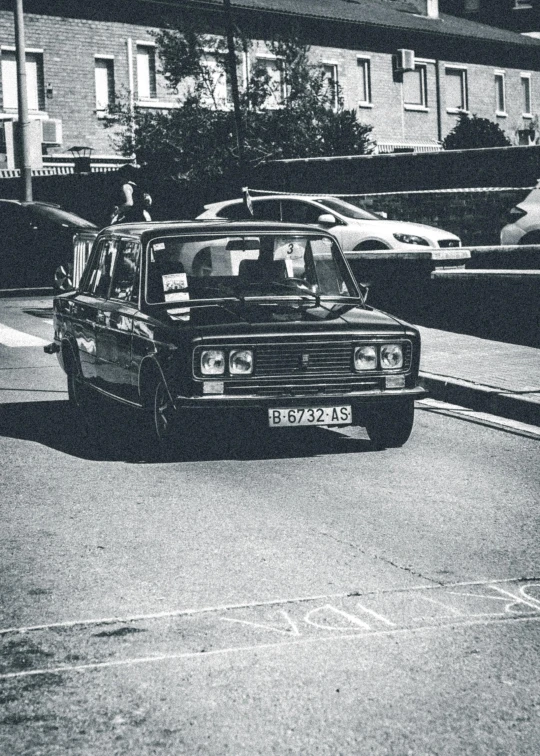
(121, 437)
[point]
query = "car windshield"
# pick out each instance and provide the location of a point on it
(183, 268)
(346, 209)
(57, 215)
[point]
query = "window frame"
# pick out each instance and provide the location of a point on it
(464, 83)
(111, 83)
(151, 50)
(500, 76)
(363, 62)
(265, 58)
(30, 52)
(120, 250)
(332, 66)
(420, 68)
(524, 76)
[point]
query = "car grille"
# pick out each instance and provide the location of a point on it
(310, 359)
(448, 243)
(303, 359)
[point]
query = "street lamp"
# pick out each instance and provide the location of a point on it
(81, 159)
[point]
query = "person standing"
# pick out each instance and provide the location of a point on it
(133, 203)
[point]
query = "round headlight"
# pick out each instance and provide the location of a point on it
(212, 362)
(240, 361)
(391, 356)
(365, 358)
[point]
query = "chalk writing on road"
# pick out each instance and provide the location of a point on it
(198, 633)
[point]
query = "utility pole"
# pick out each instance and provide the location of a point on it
(238, 120)
(22, 101)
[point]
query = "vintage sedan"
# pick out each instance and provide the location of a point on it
(273, 324)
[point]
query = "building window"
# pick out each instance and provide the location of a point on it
(273, 68)
(330, 71)
(526, 95)
(456, 89)
(146, 72)
(34, 81)
(415, 88)
(104, 74)
(364, 73)
(500, 94)
(218, 89)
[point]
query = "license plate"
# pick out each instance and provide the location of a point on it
(278, 418)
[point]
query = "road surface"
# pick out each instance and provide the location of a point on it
(262, 593)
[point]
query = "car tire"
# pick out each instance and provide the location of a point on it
(390, 427)
(368, 246)
(83, 402)
(531, 238)
(164, 414)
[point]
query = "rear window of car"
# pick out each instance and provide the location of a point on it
(56, 214)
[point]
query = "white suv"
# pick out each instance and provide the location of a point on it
(524, 225)
(354, 228)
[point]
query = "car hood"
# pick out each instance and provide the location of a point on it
(384, 227)
(242, 318)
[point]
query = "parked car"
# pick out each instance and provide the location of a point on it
(523, 225)
(36, 238)
(274, 324)
(355, 229)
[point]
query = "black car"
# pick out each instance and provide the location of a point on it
(35, 239)
(187, 318)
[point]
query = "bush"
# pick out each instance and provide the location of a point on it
(472, 132)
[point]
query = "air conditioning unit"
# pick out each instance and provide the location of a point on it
(404, 60)
(51, 131)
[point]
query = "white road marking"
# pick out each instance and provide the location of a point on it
(258, 647)
(10, 337)
(257, 604)
(480, 418)
(292, 630)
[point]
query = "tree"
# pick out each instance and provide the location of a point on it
(290, 110)
(471, 132)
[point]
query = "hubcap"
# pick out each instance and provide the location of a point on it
(163, 412)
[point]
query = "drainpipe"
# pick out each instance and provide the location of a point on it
(22, 101)
(439, 102)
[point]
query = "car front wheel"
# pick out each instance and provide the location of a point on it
(164, 413)
(391, 426)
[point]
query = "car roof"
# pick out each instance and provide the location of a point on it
(31, 203)
(211, 225)
(225, 203)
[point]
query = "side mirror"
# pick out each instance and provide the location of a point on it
(63, 279)
(327, 219)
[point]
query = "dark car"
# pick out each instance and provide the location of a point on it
(35, 239)
(194, 317)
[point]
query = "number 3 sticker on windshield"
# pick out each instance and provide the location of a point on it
(289, 249)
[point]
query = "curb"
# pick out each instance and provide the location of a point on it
(525, 408)
(43, 291)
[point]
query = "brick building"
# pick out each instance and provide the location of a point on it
(406, 68)
(519, 15)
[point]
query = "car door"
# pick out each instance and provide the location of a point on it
(83, 309)
(115, 323)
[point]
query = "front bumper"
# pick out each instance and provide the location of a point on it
(357, 399)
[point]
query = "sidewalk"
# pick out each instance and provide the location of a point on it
(487, 376)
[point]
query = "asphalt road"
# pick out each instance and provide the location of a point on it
(261, 593)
